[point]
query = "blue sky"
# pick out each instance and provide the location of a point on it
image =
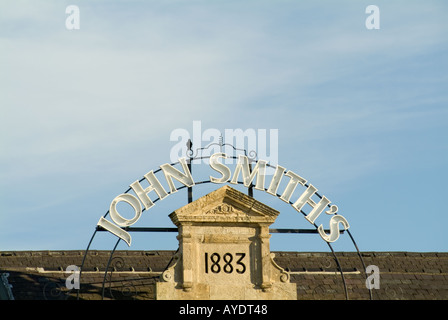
(362, 114)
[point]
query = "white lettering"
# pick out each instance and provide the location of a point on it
(334, 228)
(213, 136)
(197, 134)
(196, 310)
(72, 281)
(154, 185)
(273, 147)
(226, 310)
(373, 21)
(180, 148)
(171, 172)
(275, 182)
(248, 176)
(240, 136)
(373, 280)
(117, 218)
(292, 184)
(221, 168)
(306, 198)
(72, 22)
(116, 230)
(255, 142)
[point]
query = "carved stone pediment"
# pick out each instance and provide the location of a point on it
(225, 205)
(223, 209)
(224, 251)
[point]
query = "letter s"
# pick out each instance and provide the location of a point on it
(334, 228)
(223, 169)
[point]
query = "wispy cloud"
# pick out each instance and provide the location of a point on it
(348, 102)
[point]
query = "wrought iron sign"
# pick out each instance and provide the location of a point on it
(240, 253)
(243, 167)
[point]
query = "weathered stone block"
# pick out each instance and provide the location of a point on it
(224, 251)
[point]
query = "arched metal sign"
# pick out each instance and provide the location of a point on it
(243, 166)
(253, 176)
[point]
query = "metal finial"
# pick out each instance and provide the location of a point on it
(221, 142)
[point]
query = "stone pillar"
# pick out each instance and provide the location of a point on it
(224, 251)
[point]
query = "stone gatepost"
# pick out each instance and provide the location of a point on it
(224, 251)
